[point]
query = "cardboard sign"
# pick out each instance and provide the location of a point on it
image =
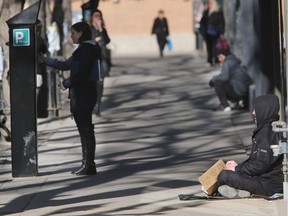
(209, 179)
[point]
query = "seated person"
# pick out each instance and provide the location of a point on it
(233, 81)
(261, 173)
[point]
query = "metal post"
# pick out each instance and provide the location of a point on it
(285, 184)
(282, 148)
(50, 89)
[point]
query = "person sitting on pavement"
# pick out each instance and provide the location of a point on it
(261, 173)
(232, 83)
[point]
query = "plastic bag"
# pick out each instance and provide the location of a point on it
(169, 45)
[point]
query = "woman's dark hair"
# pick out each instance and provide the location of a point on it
(85, 29)
(99, 13)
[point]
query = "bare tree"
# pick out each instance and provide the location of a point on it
(8, 8)
(68, 45)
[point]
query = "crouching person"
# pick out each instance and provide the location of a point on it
(261, 173)
(232, 83)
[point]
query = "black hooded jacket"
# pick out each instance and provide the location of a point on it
(215, 19)
(261, 162)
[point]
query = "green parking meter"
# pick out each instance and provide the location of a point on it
(23, 70)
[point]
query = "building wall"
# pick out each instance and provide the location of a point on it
(129, 24)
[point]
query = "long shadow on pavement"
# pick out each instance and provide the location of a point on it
(157, 129)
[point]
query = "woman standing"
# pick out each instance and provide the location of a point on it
(212, 25)
(100, 35)
(82, 90)
(160, 28)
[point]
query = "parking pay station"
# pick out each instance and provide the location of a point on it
(23, 70)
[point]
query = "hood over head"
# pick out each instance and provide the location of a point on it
(266, 109)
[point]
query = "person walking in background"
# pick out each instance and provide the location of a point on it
(100, 35)
(42, 85)
(161, 30)
(212, 25)
(82, 90)
(232, 83)
(58, 18)
(261, 173)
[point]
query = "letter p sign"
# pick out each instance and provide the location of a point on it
(21, 37)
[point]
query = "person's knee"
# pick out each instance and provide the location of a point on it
(223, 177)
(218, 83)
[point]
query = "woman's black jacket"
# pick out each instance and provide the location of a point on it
(82, 89)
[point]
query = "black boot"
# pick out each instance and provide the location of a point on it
(84, 154)
(89, 167)
(77, 170)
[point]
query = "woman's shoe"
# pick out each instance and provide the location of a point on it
(81, 167)
(87, 169)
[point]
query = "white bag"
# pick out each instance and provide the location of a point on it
(39, 80)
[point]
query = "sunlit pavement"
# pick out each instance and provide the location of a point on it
(156, 136)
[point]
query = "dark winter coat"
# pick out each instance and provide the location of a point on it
(261, 162)
(215, 19)
(160, 28)
(104, 35)
(105, 39)
(82, 90)
(41, 48)
(235, 74)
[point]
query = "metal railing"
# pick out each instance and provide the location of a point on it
(282, 148)
(54, 78)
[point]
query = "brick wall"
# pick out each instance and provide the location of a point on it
(130, 22)
(135, 17)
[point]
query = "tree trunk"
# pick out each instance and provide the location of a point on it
(67, 44)
(8, 8)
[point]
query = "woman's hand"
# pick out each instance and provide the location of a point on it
(230, 165)
(62, 87)
(97, 39)
(98, 23)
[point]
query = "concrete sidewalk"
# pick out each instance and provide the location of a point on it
(156, 136)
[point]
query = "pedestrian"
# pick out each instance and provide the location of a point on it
(232, 83)
(58, 18)
(100, 35)
(212, 25)
(41, 84)
(161, 30)
(261, 173)
(82, 90)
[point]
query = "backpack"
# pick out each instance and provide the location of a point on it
(222, 44)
